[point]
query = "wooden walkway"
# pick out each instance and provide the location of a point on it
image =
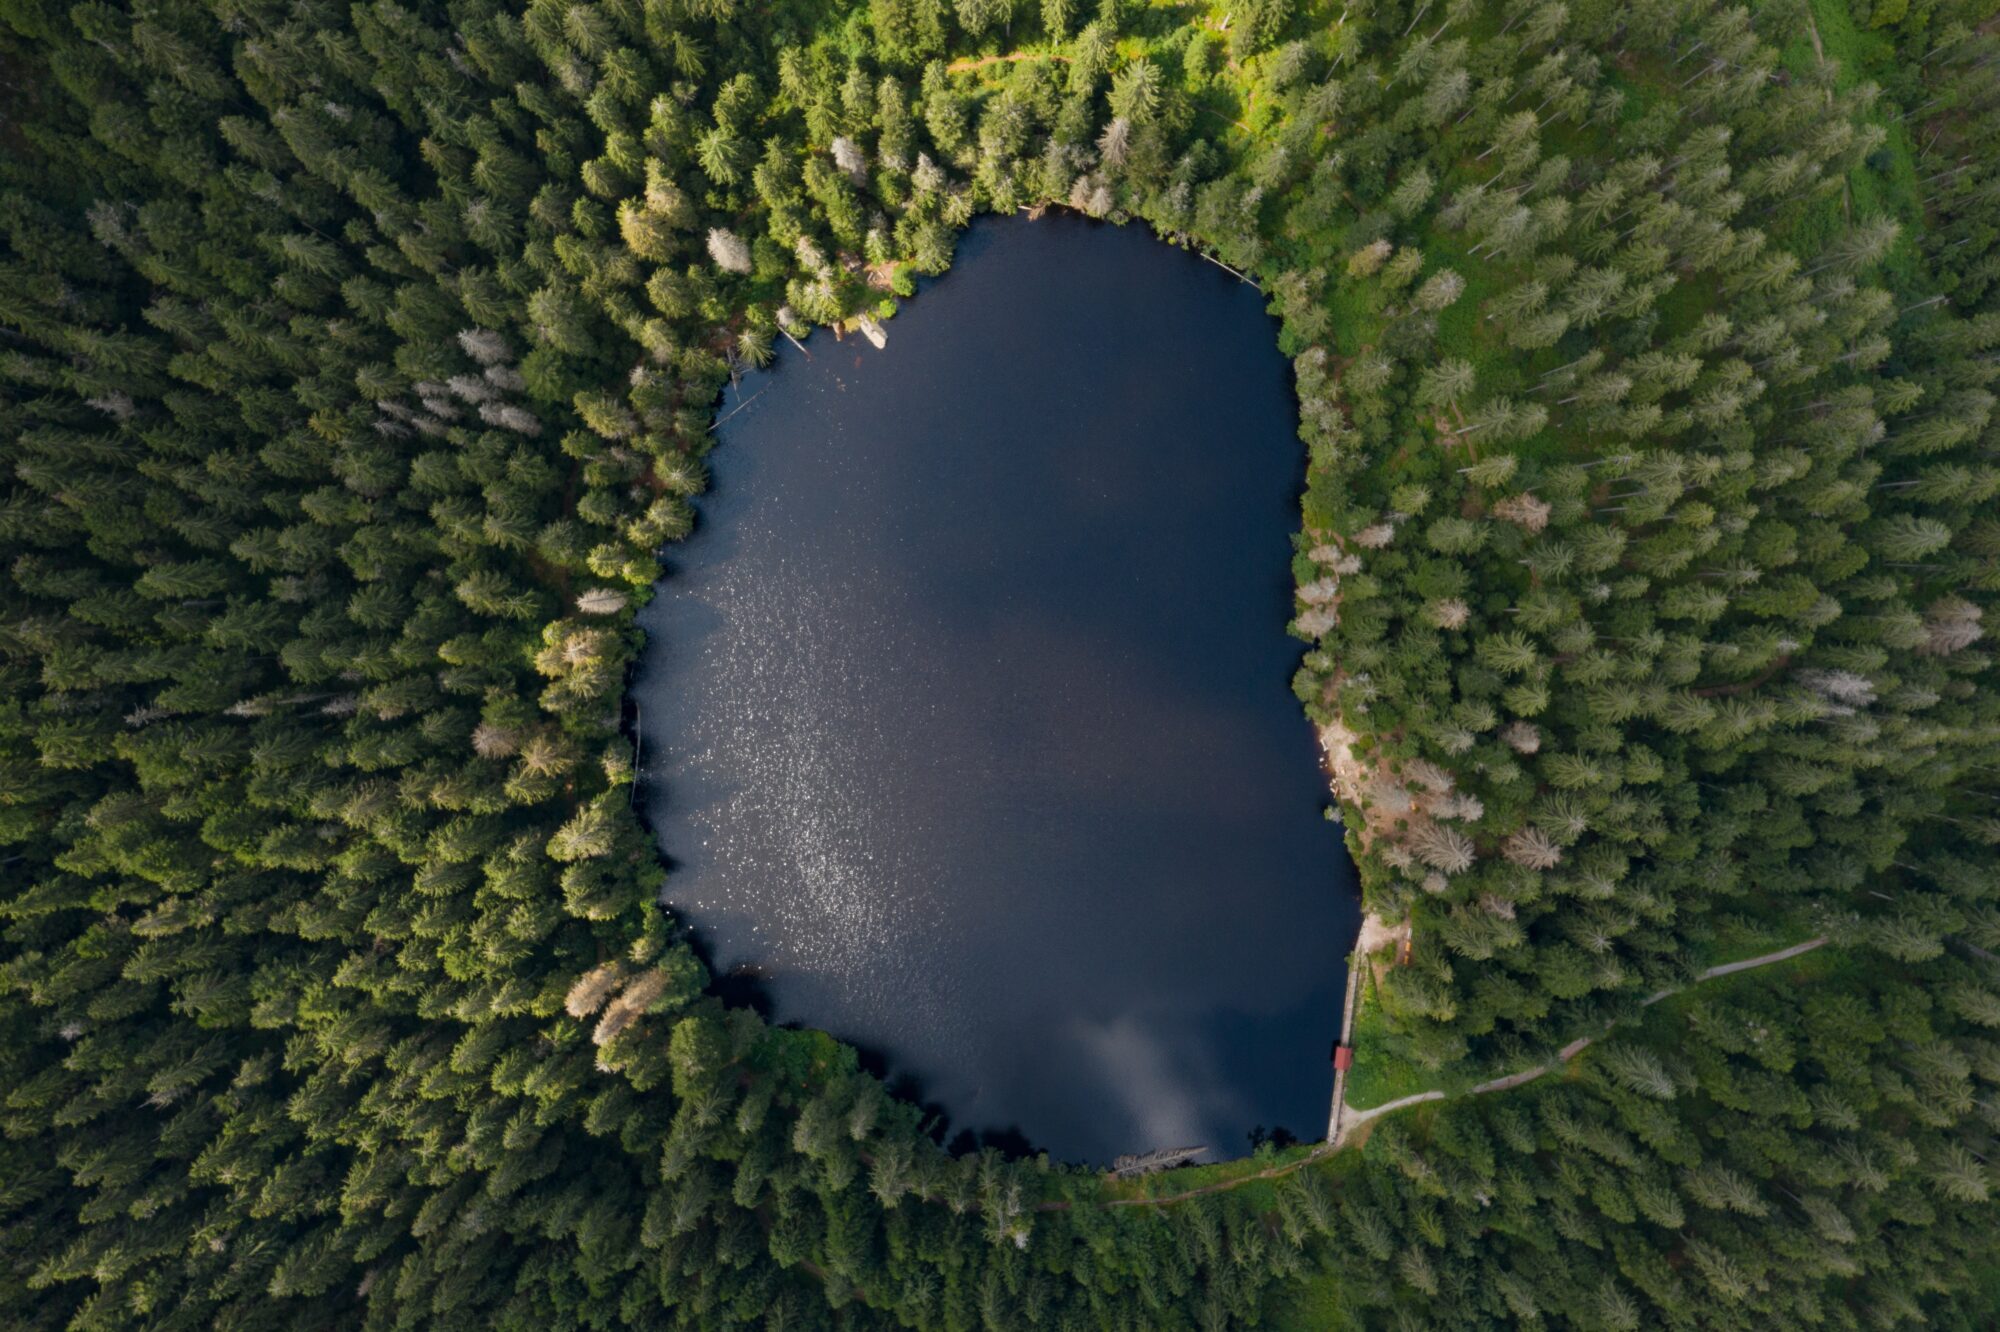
(1355, 962)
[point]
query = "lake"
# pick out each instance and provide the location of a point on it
(967, 724)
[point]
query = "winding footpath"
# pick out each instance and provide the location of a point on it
(1345, 1120)
(967, 64)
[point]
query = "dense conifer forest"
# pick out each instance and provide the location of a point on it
(357, 361)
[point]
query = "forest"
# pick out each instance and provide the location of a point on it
(358, 361)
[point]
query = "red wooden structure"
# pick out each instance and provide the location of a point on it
(1343, 1056)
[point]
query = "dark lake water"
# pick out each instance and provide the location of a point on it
(967, 713)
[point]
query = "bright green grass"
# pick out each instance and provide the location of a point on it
(1889, 182)
(1381, 1072)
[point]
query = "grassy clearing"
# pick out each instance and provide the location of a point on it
(1888, 183)
(1381, 1072)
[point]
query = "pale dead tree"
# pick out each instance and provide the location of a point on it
(1951, 624)
(847, 155)
(1368, 260)
(1429, 776)
(1115, 142)
(601, 601)
(1521, 736)
(1397, 857)
(435, 400)
(1375, 536)
(1320, 591)
(493, 741)
(1447, 613)
(1439, 291)
(810, 257)
(1316, 621)
(1442, 847)
(629, 1006)
(117, 406)
(1495, 905)
(928, 177)
(472, 388)
(1435, 883)
(1344, 563)
(505, 378)
(1524, 509)
(1090, 195)
(1390, 797)
(1843, 691)
(1462, 806)
(1533, 849)
(730, 251)
(509, 417)
(483, 345)
(592, 988)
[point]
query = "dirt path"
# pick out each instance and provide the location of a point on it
(1351, 1119)
(967, 64)
(1318, 1153)
(1731, 968)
